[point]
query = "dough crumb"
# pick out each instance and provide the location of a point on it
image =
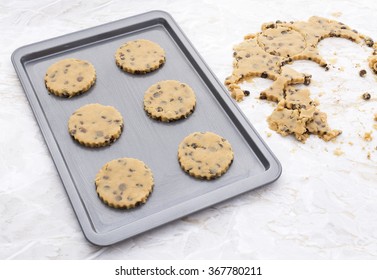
(337, 14)
(338, 152)
(350, 143)
(368, 155)
(375, 117)
(368, 136)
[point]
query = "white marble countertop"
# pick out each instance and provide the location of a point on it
(323, 206)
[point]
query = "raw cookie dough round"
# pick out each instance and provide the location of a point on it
(281, 41)
(169, 101)
(124, 183)
(205, 155)
(95, 125)
(140, 56)
(70, 77)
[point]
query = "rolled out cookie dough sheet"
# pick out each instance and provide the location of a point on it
(266, 54)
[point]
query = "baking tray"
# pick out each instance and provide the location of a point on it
(175, 194)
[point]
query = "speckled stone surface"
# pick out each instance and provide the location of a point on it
(323, 206)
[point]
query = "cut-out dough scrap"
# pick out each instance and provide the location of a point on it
(372, 60)
(263, 54)
(287, 77)
(297, 114)
(279, 43)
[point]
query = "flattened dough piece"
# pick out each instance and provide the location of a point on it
(297, 114)
(124, 183)
(140, 56)
(70, 77)
(205, 155)
(288, 121)
(288, 77)
(95, 125)
(169, 101)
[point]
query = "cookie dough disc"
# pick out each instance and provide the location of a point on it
(169, 101)
(70, 77)
(95, 125)
(124, 183)
(140, 56)
(281, 41)
(205, 155)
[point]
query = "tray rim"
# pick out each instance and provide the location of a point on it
(273, 168)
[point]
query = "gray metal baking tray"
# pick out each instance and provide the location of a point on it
(175, 194)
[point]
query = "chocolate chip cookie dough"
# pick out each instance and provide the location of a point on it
(205, 155)
(297, 114)
(265, 54)
(169, 101)
(95, 125)
(140, 56)
(70, 77)
(124, 183)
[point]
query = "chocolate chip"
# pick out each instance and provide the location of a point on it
(122, 186)
(105, 177)
(157, 94)
(99, 133)
(264, 75)
(82, 129)
(159, 109)
(246, 92)
(212, 149)
(307, 79)
(139, 185)
(194, 145)
(131, 170)
(118, 198)
(362, 73)
(366, 96)
(73, 132)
